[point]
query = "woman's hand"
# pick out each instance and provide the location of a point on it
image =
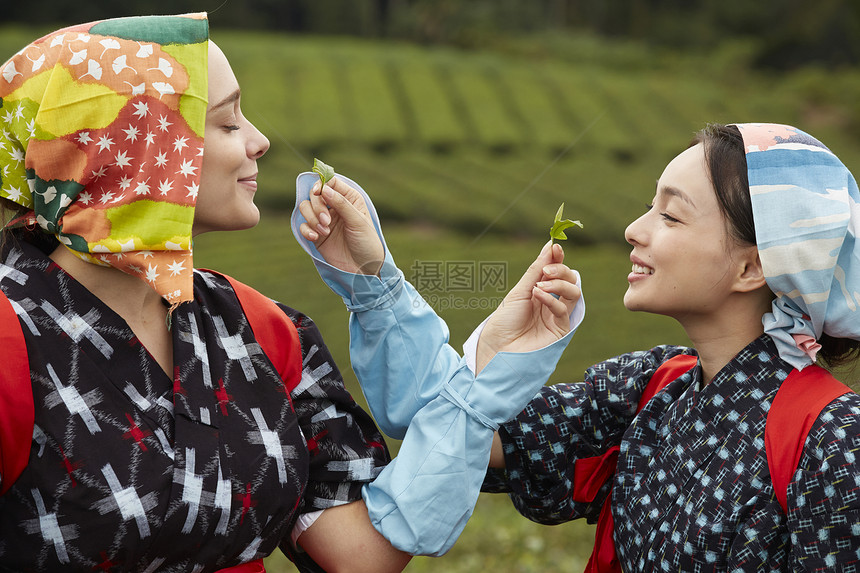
(530, 317)
(340, 227)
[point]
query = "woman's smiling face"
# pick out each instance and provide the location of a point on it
(231, 147)
(682, 254)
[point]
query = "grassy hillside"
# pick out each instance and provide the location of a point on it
(484, 143)
(467, 156)
(489, 143)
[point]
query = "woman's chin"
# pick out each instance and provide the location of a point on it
(633, 304)
(629, 301)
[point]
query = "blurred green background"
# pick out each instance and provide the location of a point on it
(470, 121)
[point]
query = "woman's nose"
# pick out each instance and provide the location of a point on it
(258, 143)
(633, 233)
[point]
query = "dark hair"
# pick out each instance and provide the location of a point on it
(727, 166)
(8, 211)
(10, 237)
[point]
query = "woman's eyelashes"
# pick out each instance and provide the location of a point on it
(666, 216)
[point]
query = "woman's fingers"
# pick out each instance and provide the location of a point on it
(557, 253)
(558, 270)
(313, 210)
(547, 266)
(320, 208)
(341, 204)
(307, 210)
(336, 194)
(559, 296)
(308, 233)
(347, 192)
(557, 289)
(555, 305)
(563, 287)
(534, 273)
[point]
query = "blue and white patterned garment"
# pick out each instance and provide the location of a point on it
(692, 491)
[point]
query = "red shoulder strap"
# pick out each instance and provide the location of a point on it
(795, 408)
(666, 373)
(273, 329)
(589, 474)
(17, 414)
(253, 567)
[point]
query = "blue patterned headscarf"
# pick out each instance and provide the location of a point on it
(806, 208)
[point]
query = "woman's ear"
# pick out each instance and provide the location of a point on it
(750, 272)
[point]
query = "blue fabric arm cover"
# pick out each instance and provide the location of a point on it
(419, 389)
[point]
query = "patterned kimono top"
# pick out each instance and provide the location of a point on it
(692, 490)
(131, 470)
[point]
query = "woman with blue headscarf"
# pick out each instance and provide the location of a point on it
(749, 244)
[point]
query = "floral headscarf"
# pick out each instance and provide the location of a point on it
(806, 208)
(101, 139)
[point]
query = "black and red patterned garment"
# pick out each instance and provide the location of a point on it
(131, 470)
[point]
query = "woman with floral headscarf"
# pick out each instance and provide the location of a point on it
(750, 244)
(180, 421)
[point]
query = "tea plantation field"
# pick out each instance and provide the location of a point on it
(467, 156)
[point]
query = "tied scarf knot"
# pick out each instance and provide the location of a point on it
(793, 332)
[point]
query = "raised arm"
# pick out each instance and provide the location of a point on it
(400, 351)
(445, 407)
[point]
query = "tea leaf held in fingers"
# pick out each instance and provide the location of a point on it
(326, 172)
(557, 231)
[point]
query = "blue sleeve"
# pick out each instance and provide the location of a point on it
(422, 500)
(400, 351)
(420, 389)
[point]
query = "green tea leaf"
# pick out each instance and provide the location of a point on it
(558, 213)
(559, 226)
(326, 172)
